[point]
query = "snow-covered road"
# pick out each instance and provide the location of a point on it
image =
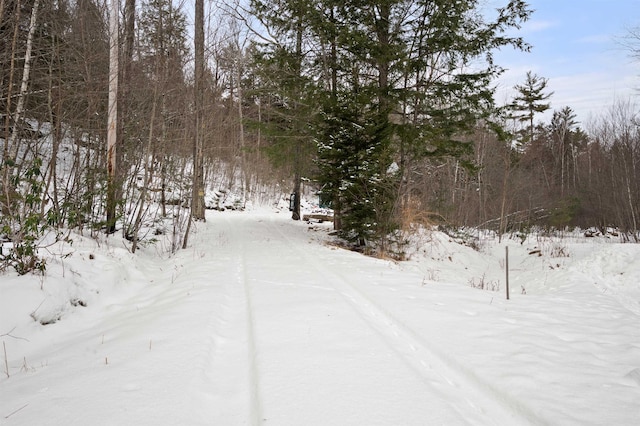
(262, 323)
(319, 351)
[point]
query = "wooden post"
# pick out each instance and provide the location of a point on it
(506, 268)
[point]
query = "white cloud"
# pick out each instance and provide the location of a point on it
(592, 93)
(536, 25)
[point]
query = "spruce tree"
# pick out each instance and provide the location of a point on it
(287, 87)
(396, 83)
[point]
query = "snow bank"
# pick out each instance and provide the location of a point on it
(263, 321)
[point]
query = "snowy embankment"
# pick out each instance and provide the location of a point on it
(262, 322)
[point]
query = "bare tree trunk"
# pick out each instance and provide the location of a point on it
(243, 154)
(1, 10)
(124, 89)
(20, 109)
(130, 13)
(163, 166)
(258, 147)
(25, 74)
(197, 207)
(297, 180)
(544, 174)
(112, 130)
(148, 160)
(197, 189)
(627, 180)
(575, 168)
(481, 151)
(54, 116)
(503, 204)
(562, 149)
(632, 207)
(297, 183)
(6, 186)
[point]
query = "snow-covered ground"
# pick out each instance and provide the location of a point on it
(262, 322)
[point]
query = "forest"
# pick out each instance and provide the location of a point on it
(133, 117)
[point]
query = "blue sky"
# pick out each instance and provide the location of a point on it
(577, 46)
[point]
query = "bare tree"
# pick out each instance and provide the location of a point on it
(112, 129)
(631, 42)
(197, 189)
(197, 207)
(11, 146)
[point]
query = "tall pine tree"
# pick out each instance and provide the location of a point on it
(398, 80)
(287, 87)
(530, 100)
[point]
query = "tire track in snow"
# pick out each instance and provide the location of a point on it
(475, 400)
(234, 363)
(254, 395)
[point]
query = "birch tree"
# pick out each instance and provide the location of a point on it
(112, 128)
(22, 223)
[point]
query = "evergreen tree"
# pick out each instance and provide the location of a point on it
(563, 124)
(354, 171)
(530, 100)
(282, 65)
(410, 63)
(397, 84)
